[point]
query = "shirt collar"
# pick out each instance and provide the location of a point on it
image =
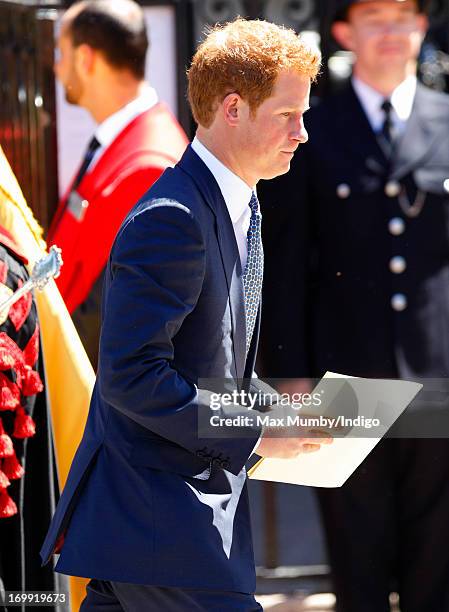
(236, 193)
(111, 127)
(371, 100)
(403, 96)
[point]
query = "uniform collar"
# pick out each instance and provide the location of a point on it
(371, 100)
(111, 127)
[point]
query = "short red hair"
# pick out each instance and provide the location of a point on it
(245, 57)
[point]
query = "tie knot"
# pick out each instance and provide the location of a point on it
(387, 107)
(88, 157)
(254, 204)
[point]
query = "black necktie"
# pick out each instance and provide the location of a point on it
(89, 155)
(387, 127)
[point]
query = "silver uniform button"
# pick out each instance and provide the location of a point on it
(399, 302)
(396, 226)
(397, 264)
(392, 189)
(446, 185)
(343, 191)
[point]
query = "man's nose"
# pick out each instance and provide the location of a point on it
(304, 135)
(393, 27)
(301, 134)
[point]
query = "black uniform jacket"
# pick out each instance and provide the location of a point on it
(357, 247)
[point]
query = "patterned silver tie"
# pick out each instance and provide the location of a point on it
(253, 273)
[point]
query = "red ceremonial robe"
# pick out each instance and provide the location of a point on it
(128, 168)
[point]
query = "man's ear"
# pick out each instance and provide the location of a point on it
(423, 24)
(231, 108)
(342, 32)
(85, 59)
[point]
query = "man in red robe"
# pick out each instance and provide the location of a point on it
(102, 51)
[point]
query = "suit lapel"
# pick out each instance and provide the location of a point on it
(210, 190)
(420, 134)
(233, 271)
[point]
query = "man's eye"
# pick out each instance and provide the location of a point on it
(286, 114)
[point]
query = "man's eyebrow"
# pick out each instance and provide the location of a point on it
(370, 11)
(294, 108)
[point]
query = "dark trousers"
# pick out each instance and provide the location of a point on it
(388, 529)
(105, 596)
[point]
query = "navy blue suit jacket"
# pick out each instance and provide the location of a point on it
(148, 501)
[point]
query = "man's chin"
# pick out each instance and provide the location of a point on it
(278, 172)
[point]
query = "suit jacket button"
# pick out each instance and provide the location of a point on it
(396, 226)
(393, 189)
(343, 191)
(397, 265)
(399, 302)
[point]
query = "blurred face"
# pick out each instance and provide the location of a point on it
(66, 70)
(270, 138)
(383, 35)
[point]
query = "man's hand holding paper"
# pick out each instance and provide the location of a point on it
(358, 411)
(288, 442)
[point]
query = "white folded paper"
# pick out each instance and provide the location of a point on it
(362, 401)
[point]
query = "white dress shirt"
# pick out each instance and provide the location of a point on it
(110, 128)
(401, 100)
(236, 194)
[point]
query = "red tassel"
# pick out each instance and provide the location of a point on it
(32, 383)
(7, 361)
(10, 353)
(24, 426)
(9, 394)
(31, 351)
(6, 447)
(18, 313)
(3, 271)
(12, 468)
(7, 506)
(4, 480)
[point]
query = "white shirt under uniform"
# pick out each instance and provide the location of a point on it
(401, 100)
(110, 128)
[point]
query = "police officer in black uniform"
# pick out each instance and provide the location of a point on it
(357, 281)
